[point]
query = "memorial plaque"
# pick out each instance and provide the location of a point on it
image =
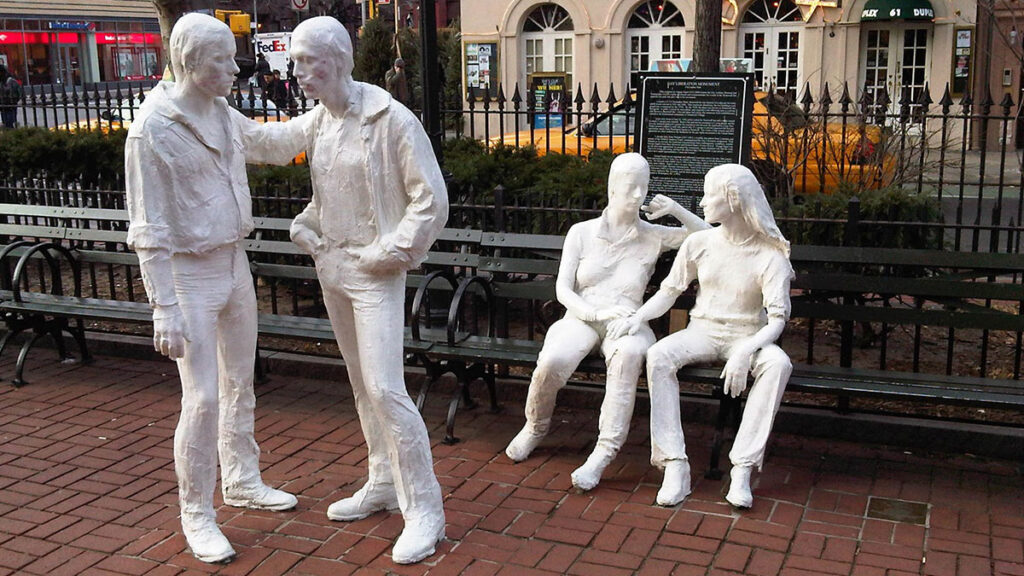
(689, 124)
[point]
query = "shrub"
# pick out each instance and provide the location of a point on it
(889, 217)
(91, 158)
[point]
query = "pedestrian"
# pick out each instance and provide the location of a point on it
(262, 70)
(190, 211)
(277, 92)
(396, 82)
(379, 202)
(10, 96)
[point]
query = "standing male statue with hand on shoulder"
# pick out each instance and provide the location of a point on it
(379, 201)
(189, 210)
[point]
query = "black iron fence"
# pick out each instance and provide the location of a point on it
(845, 142)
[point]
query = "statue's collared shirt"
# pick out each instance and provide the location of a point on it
(614, 271)
(187, 189)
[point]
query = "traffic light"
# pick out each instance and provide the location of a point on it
(371, 9)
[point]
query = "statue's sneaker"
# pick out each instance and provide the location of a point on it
(261, 497)
(206, 540)
(739, 494)
(418, 540)
(365, 501)
(676, 485)
(523, 444)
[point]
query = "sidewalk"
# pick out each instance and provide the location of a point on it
(87, 487)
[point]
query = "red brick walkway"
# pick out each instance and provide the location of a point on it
(87, 487)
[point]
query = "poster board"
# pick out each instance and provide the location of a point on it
(547, 90)
(690, 123)
(963, 53)
(481, 69)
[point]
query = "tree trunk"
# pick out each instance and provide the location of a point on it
(168, 12)
(707, 38)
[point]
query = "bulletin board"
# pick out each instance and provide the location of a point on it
(482, 71)
(963, 56)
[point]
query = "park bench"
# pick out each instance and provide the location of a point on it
(87, 240)
(836, 291)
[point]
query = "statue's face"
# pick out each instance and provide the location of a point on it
(715, 203)
(314, 68)
(214, 75)
(627, 189)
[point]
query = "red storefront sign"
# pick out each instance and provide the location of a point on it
(39, 37)
(105, 38)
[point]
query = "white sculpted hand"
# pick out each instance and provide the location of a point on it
(169, 331)
(659, 206)
(619, 328)
(307, 240)
(736, 370)
(376, 260)
(612, 313)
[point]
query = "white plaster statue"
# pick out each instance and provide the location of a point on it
(379, 201)
(606, 264)
(189, 206)
(742, 306)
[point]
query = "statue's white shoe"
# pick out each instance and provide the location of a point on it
(739, 487)
(365, 501)
(676, 485)
(522, 445)
(418, 540)
(206, 540)
(261, 497)
(586, 477)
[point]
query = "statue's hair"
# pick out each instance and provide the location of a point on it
(329, 33)
(190, 39)
(627, 162)
(745, 192)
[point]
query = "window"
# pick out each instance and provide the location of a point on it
(895, 57)
(547, 41)
(655, 32)
(770, 37)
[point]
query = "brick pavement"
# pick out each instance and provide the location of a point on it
(87, 487)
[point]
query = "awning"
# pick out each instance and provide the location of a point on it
(882, 10)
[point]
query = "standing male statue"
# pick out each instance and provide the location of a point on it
(379, 201)
(606, 264)
(743, 270)
(189, 206)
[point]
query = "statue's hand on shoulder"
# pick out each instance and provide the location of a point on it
(169, 331)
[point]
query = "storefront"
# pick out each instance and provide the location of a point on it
(102, 41)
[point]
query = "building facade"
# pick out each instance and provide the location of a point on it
(901, 45)
(80, 41)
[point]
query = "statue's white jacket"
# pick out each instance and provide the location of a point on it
(409, 200)
(196, 197)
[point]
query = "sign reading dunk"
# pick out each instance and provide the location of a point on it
(689, 124)
(884, 10)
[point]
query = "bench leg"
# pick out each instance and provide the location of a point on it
(79, 335)
(492, 389)
(728, 415)
(453, 408)
(259, 370)
(19, 368)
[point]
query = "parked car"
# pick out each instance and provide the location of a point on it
(790, 151)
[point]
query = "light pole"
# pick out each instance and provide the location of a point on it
(431, 80)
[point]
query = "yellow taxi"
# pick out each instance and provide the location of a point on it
(789, 150)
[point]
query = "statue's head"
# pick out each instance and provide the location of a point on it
(733, 188)
(322, 51)
(628, 178)
(195, 40)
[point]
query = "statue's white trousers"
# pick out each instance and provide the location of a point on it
(367, 315)
(215, 292)
(566, 344)
(706, 342)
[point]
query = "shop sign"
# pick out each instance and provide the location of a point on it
(38, 38)
(104, 38)
(68, 25)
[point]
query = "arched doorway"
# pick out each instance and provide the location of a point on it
(547, 41)
(770, 36)
(655, 31)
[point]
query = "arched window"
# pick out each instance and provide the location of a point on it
(655, 32)
(547, 40)
(770, 37)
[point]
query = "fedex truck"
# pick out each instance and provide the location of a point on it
(274, 47)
